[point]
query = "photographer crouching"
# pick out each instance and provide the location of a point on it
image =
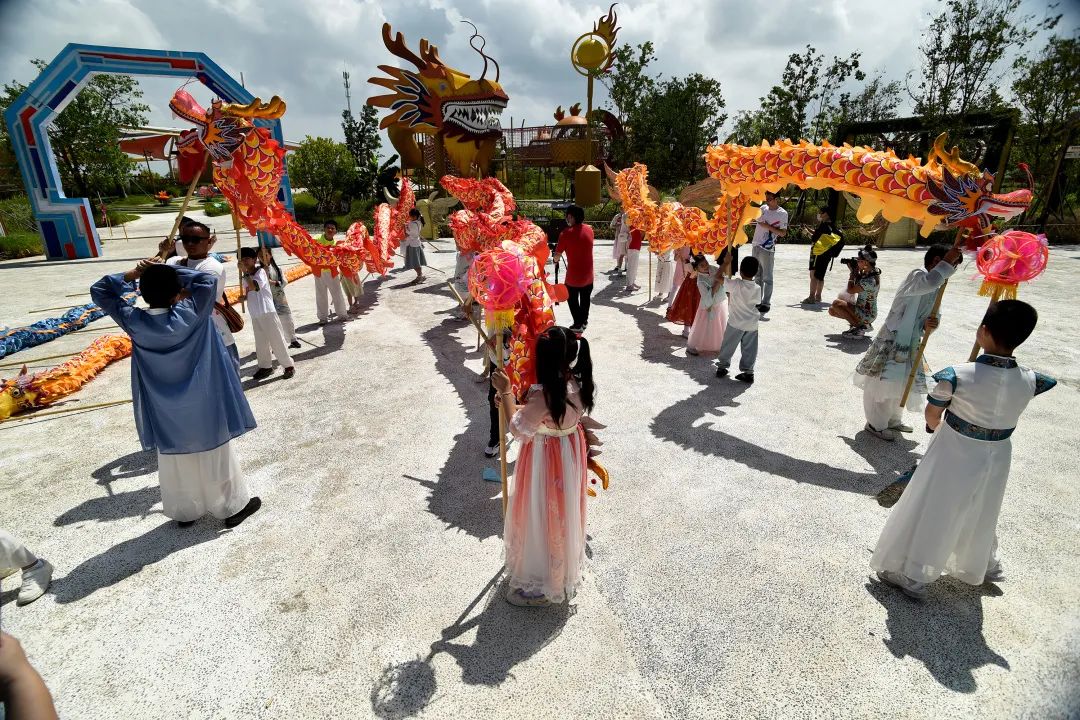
(858, 305)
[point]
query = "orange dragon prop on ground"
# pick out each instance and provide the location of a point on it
(248, 166)
(33, 392)
(27, 392)
(945, 189)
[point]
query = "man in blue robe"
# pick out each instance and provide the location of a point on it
(188, 401)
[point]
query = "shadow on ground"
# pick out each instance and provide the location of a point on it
(459, 497)
(695, 423)
(128, 558)
(505, 636)
(944, 633)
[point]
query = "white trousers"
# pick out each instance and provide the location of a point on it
(632, 257)
(881, 412)
(288, 326)
(13, 554)
(268, 337)
(205, 482)
(324, 283)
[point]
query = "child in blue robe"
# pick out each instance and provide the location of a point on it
(188, 402)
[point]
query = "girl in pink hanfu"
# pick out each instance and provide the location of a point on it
(707, 332)
(544, 528)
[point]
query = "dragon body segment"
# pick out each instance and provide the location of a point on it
(943, 189)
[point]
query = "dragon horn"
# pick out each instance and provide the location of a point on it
(1031, 180)
(397, 47)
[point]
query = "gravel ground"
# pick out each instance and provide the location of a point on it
(728, 573)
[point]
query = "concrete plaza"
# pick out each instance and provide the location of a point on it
(728, 573)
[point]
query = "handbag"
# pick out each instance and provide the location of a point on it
(232, 318)
(824, 243)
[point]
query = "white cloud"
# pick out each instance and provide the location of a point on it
(298, 49)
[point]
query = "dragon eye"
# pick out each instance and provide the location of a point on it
(16, 392)
(442, 87)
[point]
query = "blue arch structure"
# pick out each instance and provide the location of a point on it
(66, 224)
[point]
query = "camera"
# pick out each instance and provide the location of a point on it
(852, 263)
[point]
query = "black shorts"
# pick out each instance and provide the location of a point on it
(820, 265)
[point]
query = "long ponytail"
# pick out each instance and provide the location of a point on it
(560, 355)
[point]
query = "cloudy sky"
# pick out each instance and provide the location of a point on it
(298, 49)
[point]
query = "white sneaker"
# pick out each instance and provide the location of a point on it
(995, 573)
(901, 427)
(886, 434)
(35, 581)
(491, 451)
(914, 590)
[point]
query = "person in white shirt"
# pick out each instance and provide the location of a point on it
(264, 319)
(414, 248)
(770, 225)
(744, 296)
(622, 239)
(328, 283)
(197, 240)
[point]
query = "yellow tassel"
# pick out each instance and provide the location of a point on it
(499, 320)
(998, 290)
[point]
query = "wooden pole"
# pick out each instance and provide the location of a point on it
(648, 251)
(236, 229)
(916, 362)
(502, 434)
(32, 416)
(975, 348)
(183, 207)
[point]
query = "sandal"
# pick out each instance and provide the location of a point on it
(514, 596)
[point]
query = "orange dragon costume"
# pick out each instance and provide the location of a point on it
(944, 189)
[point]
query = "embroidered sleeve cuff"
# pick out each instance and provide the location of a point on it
(946, 375)
(1043, 383)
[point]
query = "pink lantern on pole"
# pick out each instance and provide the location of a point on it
(1009, 259)
(497, 279)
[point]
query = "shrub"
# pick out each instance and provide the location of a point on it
(305, 207)
(16, 215)
(19, 245)
(217, 208)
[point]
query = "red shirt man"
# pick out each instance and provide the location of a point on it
(576, 241)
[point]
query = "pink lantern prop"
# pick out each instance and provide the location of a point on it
(1009, 259)
(497, 279)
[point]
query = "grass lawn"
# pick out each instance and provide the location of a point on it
(19, 245)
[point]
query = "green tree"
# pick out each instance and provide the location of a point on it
(628, 82)
(807, 102)
(85, 136)
(363, 142)
(324, 167)
(962, 52)
(1047, 89)
(877, 100)
(669, 122)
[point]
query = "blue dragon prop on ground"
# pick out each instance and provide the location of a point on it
(12, 340)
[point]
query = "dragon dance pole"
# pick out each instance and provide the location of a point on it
(502, 432)
(648, 251)
(993, 299)
(916, 362)
(236, 229)
(184, 206)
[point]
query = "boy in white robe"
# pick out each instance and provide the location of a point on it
(264, 319)
(883, 371)
(945, 522)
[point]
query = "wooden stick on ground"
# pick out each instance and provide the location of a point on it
(46, 413)
(648, 249)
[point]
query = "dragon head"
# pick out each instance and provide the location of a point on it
(17, 394)
(966, 196)
(438, 100)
